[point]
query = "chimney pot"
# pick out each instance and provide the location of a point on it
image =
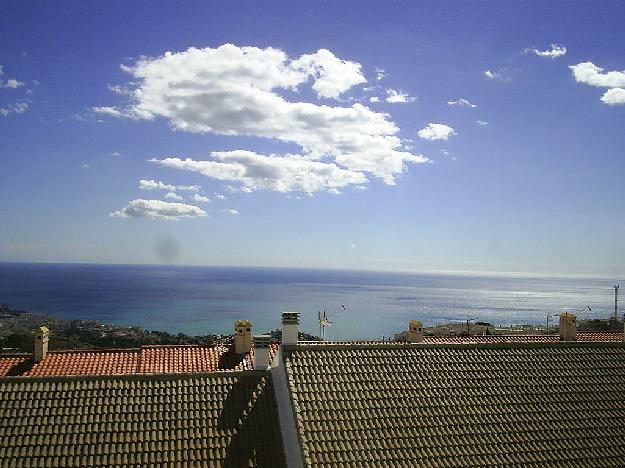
(415, 331)
(290, 325)
(568, 327)
(42, 336)
(261, 352)
(242, 336)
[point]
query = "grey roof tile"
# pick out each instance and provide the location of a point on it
(223, 419)
(374, 404)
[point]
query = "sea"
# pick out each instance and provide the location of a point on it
(360, 304)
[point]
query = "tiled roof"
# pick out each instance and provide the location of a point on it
(146, 360)
(92, 362)
(9, 362)
(581, 337)
(220, 419)
(531, 405)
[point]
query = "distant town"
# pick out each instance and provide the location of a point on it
(17, 329)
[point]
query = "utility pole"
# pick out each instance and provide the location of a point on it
(616, 288)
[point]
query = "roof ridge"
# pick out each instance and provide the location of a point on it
(137, 376)
(493, 345)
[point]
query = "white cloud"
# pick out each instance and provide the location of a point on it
(155, 185)
(398, 96)
(380, 74)
(201, 198)
(157, 209)
(17, 108)
(481, 123)
(553, 53)
(173, 196)
(115, 154)
(495, 76)
(461, 103)
(110, 111)
(436, 131)
(374, 99)
(258, 172)
(232, 90)
(220, 196)
(232, 211)
(332, 76)
(614, 96)
(158, 185)
(85, 166)
(591, 74)
(10, 83)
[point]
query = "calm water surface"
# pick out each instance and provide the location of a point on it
(200, 300)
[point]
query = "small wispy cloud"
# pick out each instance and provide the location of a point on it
(461, 102)
(109, 111)
(173, 196)
(436, 131)
(16, 108)
(495, 76)
(231, 211)
(481, 123)
(115, 154)
(201, 198)
(158, 210)
(9, 83)
(553, 53)
(380, 74)
(394, 96)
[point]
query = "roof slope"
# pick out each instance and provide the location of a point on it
(170, 359)
(459, 406)
(221, 419)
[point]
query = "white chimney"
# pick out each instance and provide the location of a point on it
(568, 327)
(242, 336)
(290, 324)
(261, 352)
(41, 343)
(415, 331)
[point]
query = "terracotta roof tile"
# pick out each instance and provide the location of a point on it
(10, 364)
(146, 360)
(92, 362)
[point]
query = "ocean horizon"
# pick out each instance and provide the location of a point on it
(200, 300)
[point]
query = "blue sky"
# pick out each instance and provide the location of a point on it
(321, 132)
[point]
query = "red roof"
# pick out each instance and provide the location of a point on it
(180, 359)
(11, 362)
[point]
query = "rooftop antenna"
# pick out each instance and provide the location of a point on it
(324, 321)
(470, 320)
(616, 288)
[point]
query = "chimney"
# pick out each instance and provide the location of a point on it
(568, 327)
(290, 323)
(41, 343)
(415, 331)
(242, 336)
(261, 352)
